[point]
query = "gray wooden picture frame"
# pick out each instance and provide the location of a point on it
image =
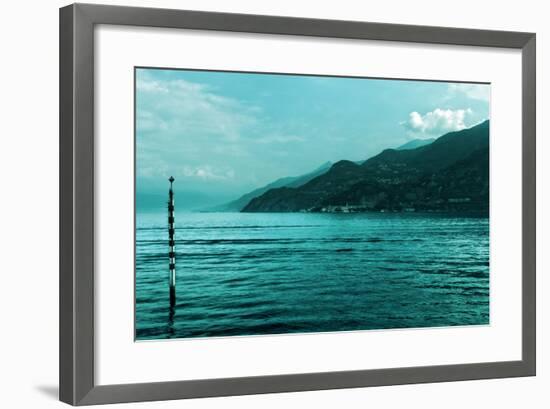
(76, 274)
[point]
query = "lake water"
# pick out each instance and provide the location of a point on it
(267, 273)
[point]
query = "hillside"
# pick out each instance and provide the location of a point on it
(452, 173)
(290, 181)
(415, 143)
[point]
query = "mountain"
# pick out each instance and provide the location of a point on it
(290, 181)
(415, 143)
(451, 173)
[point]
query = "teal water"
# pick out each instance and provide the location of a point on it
(261, 273)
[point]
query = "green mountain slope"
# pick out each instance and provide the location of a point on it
(415, 143)
(449, 174)
(290, 181)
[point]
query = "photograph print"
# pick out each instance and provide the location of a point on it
(285, 204)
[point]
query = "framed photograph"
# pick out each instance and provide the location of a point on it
(258, 204)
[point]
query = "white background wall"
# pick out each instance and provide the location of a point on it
(29, 200)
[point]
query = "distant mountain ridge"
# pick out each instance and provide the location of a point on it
(415, 143)
(451, 173)
(290, 181)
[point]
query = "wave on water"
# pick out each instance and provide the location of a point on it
(261, 274)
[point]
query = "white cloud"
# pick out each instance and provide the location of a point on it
(436, 122)
(150, 86)
(148, 122)
(207, 172)
(282, 139)
(181, 107)
(183, 121)
(480, 92)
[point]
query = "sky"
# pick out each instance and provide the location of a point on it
(223, 134)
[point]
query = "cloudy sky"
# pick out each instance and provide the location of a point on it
(223, 134)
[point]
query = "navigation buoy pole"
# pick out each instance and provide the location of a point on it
(171, 244)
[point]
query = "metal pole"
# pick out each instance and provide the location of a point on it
(171, 244)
